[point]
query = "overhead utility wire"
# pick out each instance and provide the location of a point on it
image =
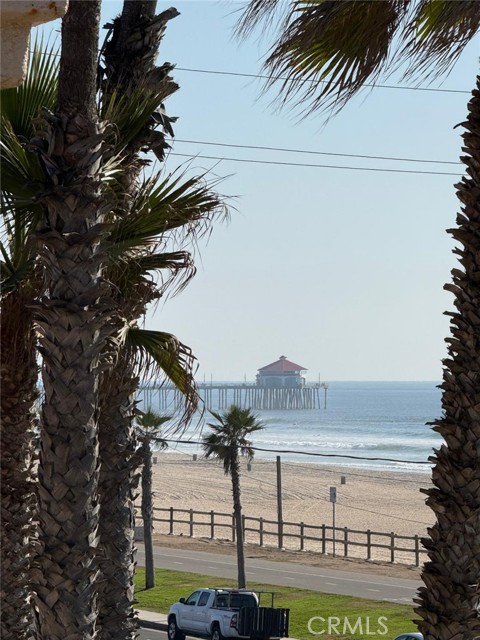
(318, 166)
(262, 77)
(310, 453)
(253, 75)
(318, 153)
(350, 473)
(378, 513)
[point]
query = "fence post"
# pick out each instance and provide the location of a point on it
(260, 531)
(171, 520)
(243, 526)
(212, 525)
(417, 551)
(233, 527)
(191, 523)
(369, 544)
(345, 542)
(324, 541)
(302, 533)
(392, 547)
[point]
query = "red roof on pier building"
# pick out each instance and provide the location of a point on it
(282, 366)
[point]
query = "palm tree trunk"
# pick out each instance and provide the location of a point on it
(147, 513)
(117, 483)
(73, 321)
(19, 378)
(450, 600)
(237, 510)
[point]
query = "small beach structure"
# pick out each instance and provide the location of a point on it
(281, 373)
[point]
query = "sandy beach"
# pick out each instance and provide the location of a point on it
(377, 500)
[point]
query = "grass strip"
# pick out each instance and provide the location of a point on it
(358, 619)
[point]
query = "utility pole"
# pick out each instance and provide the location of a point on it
(279, 503)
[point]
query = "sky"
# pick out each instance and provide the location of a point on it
(340, 270)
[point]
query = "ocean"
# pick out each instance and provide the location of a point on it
(362, 420)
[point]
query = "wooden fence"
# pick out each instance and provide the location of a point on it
(341, 541)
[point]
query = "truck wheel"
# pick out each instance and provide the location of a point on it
(174, 632)
(216, 633)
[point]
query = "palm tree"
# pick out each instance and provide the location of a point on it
(154, 215)
(148, 430)
(162, 208)
(325, 52)
(228, 435)
(73, 320)
(21, 174)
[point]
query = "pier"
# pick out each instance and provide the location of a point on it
(248, 395)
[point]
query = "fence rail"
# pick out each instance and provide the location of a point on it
(369, 545)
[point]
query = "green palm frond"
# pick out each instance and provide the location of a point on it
(22, 174)
(38, 91)
(327, 50)
(129, 114)
(153, 273)
(149, 424)
(162, 353)
(164, 205)
(437, 35)
(229, 434)
(330, 49)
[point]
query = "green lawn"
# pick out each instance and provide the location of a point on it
(384, 620)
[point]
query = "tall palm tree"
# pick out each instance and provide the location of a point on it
(21, 176)
(162, 207)
(230, 433)
(325, 52)
(170, 207)
(73, 320)
(148, 428)
(154, 215)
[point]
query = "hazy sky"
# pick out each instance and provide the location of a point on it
(340, 270)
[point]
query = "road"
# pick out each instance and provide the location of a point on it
(352, 583)
(152, 634)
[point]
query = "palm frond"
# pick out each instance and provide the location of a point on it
(162, 353)
(22, 174)
(20, 105)
(164, 205)
(258, 12)
(143, 277)
(148, 425)
(327, 50)
(331, 48)
(437, 34)
(129, 114)
(229, 434)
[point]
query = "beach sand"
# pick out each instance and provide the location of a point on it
(377, 500)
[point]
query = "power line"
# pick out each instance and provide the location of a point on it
(387, 515)
(263, 77)
(373, 86)
(318, 166)
(310, 453)
(319, 153)
(350, 473)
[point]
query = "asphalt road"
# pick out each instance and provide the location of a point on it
(152, 634)
(352, 583)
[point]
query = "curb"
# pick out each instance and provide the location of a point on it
(149, 624)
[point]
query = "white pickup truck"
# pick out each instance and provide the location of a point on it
(226, 613)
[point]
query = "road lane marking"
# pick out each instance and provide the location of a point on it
(363, 581)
